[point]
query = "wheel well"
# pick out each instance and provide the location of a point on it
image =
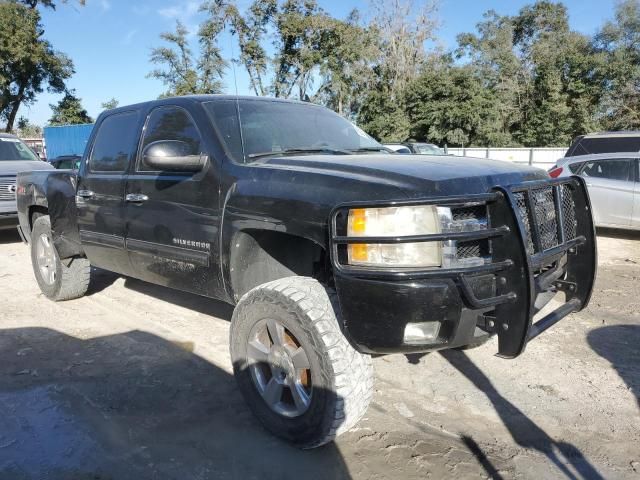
(35, 212)
(261, 256)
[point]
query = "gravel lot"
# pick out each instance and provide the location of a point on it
(133, 381)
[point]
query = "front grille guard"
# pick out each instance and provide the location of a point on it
(525, 261)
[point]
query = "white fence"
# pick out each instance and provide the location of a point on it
(538, 157)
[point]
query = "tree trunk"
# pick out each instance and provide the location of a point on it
(15, 106)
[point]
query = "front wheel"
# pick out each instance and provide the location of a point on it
(56, 280)
(294, 367)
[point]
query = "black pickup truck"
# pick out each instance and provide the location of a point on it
(331, 248)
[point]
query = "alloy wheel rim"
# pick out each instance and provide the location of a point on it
(46, 258)
(279, 368)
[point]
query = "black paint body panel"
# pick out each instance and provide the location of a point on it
(184, 235)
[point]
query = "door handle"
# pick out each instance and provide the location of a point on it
(136, 198)
(85, 193)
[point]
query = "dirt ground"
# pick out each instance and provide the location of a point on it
(133, 381)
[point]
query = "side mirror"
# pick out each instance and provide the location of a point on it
(172, 155)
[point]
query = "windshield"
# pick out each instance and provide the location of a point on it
(13, 149)
(426, 149)
(272, 127)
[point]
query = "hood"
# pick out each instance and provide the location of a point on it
(415, 174)
(13, 167)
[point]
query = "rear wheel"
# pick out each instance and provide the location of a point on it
(296, 370)
(55, 279)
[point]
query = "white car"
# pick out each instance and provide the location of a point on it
(397, 147)
(613, 181)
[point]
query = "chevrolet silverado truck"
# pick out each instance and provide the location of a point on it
(15, 157)
(331, 248)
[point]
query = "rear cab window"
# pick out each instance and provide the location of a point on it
(115, 143)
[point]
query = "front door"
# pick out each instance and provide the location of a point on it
(611, 184)
(173, 217)
(100, 191)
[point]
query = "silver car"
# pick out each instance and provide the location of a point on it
(15, 157)
(613, 181)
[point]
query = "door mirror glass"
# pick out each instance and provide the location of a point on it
(172, 155)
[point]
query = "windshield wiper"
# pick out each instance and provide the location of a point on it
(370, 149)
(293, 151)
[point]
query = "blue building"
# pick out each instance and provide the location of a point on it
(66, 139)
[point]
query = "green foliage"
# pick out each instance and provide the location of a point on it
(526, 80)
(69, 111)
(183, 73)
(28, 63)
(45, 3)
(619, 42)
(314, 56)
(26, 129)
(110, 104)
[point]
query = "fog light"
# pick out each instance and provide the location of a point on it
(421, 332)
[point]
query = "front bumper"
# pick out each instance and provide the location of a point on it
(529, 264)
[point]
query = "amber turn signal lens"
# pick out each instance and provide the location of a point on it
(359, 252)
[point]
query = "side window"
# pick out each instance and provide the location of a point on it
(171, 123)
(609, 169)
(575, 167)
(115, 142)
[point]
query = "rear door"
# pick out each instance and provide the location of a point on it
(611, 187)
(100, 191)
(173, 217)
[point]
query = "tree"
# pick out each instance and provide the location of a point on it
(315, 57)
(563, 90)
(450, 104)
(543, 76)
(490, 54)
(69, 111)
(110, 104)
(251, 30)
(619, 42)
(27, 130)
(28, 63)
(185, 74)
(45, 3)
(400, 29)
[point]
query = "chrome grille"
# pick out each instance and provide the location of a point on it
(470, 217)
(544, 215)
(474, 212)
(7, 188)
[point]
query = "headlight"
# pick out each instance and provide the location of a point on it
(392, 222)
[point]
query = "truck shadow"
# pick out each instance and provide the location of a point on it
(191, 301)
(9, 236)
(133, 405)
(524, 431)
(619, 344)
(618, 233)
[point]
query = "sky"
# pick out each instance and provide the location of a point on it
(109, 41)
